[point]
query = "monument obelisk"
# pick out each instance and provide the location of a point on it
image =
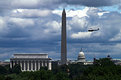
(63, 39)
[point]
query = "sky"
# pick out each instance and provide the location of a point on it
(34, 26)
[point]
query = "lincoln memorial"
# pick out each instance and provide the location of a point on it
(31, 62)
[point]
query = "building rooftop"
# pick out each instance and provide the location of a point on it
(32, 55)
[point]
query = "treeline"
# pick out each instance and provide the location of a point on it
(103, 69)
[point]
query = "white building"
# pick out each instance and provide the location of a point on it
(116, 61)
(31, 62)
(81, 59)
(4, 63)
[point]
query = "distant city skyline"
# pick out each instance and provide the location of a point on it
(34, 26)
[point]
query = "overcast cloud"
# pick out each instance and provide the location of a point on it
(34, 26)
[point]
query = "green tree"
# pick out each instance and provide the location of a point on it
(2, 77)
(104, 69)
(3, 70)
(16, 69)
(62, 76)
(104, 62)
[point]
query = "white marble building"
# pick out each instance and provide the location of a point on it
(81, 57)
(31, 62)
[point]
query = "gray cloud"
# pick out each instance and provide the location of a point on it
(93, 3)
(91, 50)
(56, 3)
(30, 13)
(52, 4)
(32, 4)
(5, 7)
(48, 28)
(32, 32)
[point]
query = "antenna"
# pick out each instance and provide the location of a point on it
(81, 50)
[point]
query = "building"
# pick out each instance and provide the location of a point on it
(4, 63)
(81, 59)
(31, 62)
(63, 39)
(116, 61)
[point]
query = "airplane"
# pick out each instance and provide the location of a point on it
(91, 29)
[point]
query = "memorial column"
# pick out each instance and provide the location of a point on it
(38, 65)
(49, 66)
(28, 65)
(21, 65)
(42, 63)
(35, 65)
(11, 64)
(31, 65)
(24, 66)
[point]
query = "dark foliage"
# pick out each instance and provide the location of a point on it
(103, 69)
(3, 70)
(16, 69)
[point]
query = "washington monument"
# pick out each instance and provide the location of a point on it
(63, 39)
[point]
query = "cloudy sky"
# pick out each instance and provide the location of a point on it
(34, 26)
